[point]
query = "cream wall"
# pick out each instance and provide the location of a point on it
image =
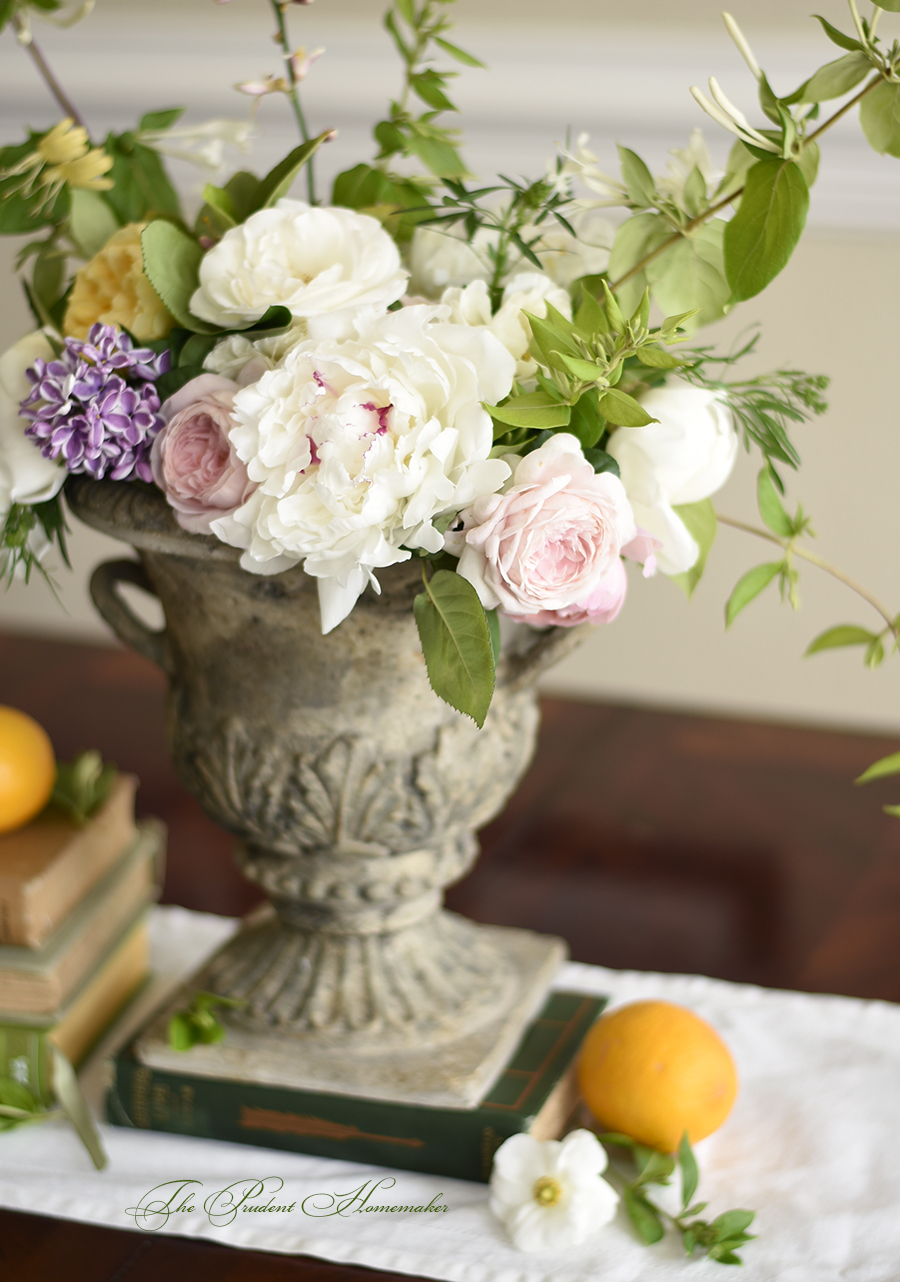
(833, 311)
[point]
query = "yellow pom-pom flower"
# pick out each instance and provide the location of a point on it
(113, 289)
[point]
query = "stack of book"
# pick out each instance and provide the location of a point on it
(74, 942)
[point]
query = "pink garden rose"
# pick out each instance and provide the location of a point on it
(548, 550)
(192, 459)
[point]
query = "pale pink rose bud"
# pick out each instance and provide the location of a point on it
(192, 458)
(548, 551)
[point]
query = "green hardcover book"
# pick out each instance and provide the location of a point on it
(536, 1092)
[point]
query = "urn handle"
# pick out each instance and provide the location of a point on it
(118, 614)
(519, 668)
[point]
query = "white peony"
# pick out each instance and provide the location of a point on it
(366, 432)
(307, 259)
(25, 475)
(550, 1194)
(683, 458)
(528, 292)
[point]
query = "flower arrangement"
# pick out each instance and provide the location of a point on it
(493, 380)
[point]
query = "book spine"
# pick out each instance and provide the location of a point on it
(459, 1144)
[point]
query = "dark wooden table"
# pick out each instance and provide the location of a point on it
(649, 840)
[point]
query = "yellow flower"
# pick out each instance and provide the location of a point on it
(113, 289)
(63, 156)
(86, 171)
(65, 142)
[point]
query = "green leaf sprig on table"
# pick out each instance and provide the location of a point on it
(197, 1023)
(82, 785)
(637, 1167)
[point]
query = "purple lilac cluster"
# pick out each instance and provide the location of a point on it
(96, 408)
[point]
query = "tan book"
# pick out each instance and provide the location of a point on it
(79, 1026)
(40, 981)
(48, 866)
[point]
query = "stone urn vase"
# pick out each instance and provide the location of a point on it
(354, 793)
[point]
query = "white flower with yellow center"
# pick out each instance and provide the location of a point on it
(550, 1194)
(363, 435)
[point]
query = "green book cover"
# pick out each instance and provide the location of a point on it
(455, 1142)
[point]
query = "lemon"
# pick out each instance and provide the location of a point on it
(27, 768)
(653, 1070)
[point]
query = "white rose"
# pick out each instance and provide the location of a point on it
(439, 259)
(244, 360)
(527, 292)
(25, 475)
(365, 433)
(683, 458)
(307, 259)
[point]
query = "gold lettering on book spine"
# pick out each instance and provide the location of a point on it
(269, 1119)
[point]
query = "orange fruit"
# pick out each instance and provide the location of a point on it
(653, 1070)
(27, 768)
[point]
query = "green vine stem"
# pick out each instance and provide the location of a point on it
(791, 548)
(732, 196)
(278, 8)
(26, 40)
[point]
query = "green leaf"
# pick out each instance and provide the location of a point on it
(459, 54)
(182, 1034)
(691, 275)
(174, 379)
(7, 9)
(535, 410)
(808, 161)
(637, 236)
(730, 1223)
(600, 461)
(892, 6)
(278, 181)
(695, 197)
(242, 189)
(494, 629)
(623, 410)
(761, 237)
(837, 37)
(427, 86)
(141, 184)
(656, 358)
(874, 655)
(689, 1238)
(724, 1255)
(836, 78)
(770, 506)
(844, 634)
(407, 11)
(456, 642)
(690, 1175)
(91, 221)
(881, 769)
(82, 785)
(586, 371)
(657, 1168)
(637, 178)
(437, 155)
(197, 348)
(879, 115)
(700, 519)
(171, 264)
(156, 121)
(590, 317)
(643, 1215)
(750, 586)
(586, 421)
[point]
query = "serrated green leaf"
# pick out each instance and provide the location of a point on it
(456, 642)
(172, 264)
(843, 634)
(644, 1216)
(459, 54)
(156, 121)
(623, 410)
(770, 506)
(702, 525)
(690, 1174)
(837, 37)
(881, 769)
(836, 78)
(637, 178)
(879, 115)
(278, 182)
(761, 237)
(750, 586)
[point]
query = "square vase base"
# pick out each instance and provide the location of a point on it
(455, 1074)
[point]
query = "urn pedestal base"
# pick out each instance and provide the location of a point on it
(445, 1071)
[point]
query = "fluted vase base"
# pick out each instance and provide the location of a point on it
(461, 1046)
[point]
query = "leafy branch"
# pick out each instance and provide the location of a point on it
(720, 1238)
(279, 7)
